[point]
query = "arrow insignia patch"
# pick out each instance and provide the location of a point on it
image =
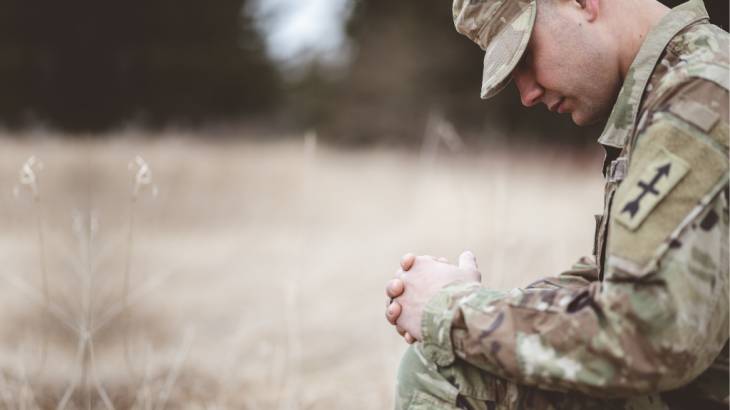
(654, 182)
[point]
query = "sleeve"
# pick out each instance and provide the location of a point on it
(660, 316)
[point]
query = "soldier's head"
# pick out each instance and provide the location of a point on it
(571, 55)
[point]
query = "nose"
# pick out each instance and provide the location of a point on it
(530, 91)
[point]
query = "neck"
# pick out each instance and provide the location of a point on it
(635, 19)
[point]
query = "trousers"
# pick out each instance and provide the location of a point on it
(423, 385)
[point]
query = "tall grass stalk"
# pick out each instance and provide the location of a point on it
(174, 370)
(6, 393)
(290, 394)
(84, 374)
(96, 380)
(142, 178)
(144, 393)
(29, 178)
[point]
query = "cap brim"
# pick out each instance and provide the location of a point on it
(505, 52)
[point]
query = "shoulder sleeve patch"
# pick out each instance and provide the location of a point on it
(649, 187)
(695, 114)
(661, 198)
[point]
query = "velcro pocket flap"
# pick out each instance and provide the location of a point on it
(695, 114)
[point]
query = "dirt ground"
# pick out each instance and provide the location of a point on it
(256, 273)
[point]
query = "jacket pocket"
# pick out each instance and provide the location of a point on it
(424, 401)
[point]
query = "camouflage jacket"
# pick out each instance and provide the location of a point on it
(649, 311)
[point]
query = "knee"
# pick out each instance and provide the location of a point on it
(419, 374)
(406, 380)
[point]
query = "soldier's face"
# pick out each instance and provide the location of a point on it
(568, 67)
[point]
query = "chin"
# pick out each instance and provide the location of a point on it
(582, 120)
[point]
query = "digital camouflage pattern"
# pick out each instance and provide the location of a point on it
(643, 323)
(502, 29)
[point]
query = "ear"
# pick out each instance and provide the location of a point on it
(591, 8)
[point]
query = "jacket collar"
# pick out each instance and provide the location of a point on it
(623, 117)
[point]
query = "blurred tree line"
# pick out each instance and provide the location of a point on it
(88, 65)
(411, 60)
(92, 65)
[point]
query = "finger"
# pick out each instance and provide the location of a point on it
(407, 261)
(394, 288)
(409, 339)
(393, 312)
(467, 260)
(423, 259)
(443, 260)
(400, 331)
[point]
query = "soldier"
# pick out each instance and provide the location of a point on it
(643, 323)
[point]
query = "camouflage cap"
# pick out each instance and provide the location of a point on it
(501, 28)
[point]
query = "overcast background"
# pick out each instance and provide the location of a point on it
(358, 71)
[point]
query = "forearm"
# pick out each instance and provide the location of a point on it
(601, 354)
(616, 339)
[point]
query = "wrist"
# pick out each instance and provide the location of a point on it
(437, 318)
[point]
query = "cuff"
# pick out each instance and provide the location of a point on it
(437, 318)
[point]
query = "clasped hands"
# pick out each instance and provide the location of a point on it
(418, 279)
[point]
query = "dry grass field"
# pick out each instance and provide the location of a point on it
(250, 274)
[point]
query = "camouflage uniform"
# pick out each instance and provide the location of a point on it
(649, 311)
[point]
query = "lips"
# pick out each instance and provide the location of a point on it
(561, 107)
(557, 104)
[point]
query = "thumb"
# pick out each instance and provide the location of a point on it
(467, 260)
